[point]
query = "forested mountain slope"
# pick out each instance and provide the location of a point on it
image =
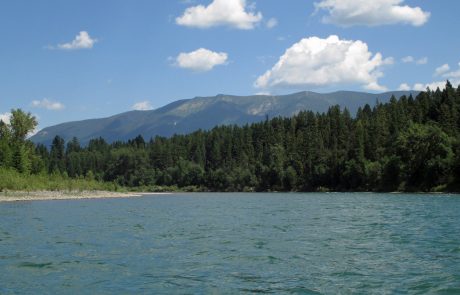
(185, 116)
(406, 144)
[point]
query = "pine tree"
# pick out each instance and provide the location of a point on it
(57, 155)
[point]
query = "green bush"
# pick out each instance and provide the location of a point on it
(12, 180)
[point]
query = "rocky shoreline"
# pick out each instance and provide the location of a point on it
(15, 196)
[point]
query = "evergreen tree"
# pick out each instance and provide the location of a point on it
(57, 155)
(409, 144)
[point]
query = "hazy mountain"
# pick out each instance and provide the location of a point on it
(188, 115)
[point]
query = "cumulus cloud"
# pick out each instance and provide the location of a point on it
(82, 41)
(371, 13)
(201, 60)
(142, 106)
(315, 62)
(5, 117)
(47, 104)
(442, 70)
(404, 87)
(432, 85)
(232, 13)
(453, 75)
(271, 23)
(423, 86)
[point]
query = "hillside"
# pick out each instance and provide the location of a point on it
(185, 116)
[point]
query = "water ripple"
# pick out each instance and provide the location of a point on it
(233, 243)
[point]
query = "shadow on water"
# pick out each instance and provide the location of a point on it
(35, 265)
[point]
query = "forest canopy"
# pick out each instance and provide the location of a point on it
(407, 144)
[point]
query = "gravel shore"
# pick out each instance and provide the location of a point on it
(13, 196)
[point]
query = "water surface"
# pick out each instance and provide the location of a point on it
(233, 243)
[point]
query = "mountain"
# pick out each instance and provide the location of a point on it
(188, 115)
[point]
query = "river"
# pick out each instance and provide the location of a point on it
(207, 243)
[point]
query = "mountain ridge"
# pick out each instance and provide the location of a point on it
(204, 112)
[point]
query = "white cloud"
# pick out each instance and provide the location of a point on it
(81, 41)
(142, 106)
(432, 86)
(422, 61)
(389, 61)
(371, 12)
(453, 74)
(404, 87)
(47, 104)
(411, 59)
(374, 86)
(441, 70)
(231, 13)
(408, 59)
(201, 60)
(314, 62)
(271, 23)
(5, 117)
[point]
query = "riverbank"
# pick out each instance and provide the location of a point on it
(15, 196)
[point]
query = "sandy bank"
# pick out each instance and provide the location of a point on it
(13, 196)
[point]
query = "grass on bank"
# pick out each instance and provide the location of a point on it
(12, 180)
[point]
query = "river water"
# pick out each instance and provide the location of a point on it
(318, 243)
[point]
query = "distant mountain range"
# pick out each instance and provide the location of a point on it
(188, 115)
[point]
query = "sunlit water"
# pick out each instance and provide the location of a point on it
(233, 243)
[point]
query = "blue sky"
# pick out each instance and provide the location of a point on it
(72, 60)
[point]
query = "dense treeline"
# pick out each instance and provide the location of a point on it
(407, 144)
